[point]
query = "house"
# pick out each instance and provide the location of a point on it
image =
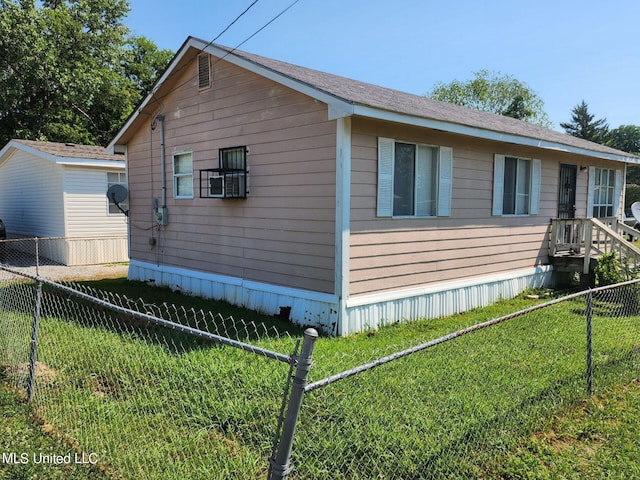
(58, 190)
(342, 204)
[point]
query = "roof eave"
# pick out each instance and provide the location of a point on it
(372, 112)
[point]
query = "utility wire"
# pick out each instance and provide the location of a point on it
(153, 95)
(232, 23)
(237, 46)
(258, 31)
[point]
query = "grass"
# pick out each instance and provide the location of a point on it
(25, 436)
(505, 402)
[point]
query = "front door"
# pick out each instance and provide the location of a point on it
(567, 191)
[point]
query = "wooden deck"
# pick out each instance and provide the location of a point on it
(575, 244)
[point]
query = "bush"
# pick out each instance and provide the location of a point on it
(608, 271)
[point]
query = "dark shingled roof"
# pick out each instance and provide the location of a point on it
(71, 150)
(366, 94)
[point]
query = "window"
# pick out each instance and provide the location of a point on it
(604, 191)
(414, 180)
(183, 175)
(233, 158)
(516, 185)
(116, 178)
(204, 71)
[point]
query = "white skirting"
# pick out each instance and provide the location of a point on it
(442, 299)
(363, 312)
(307, 308)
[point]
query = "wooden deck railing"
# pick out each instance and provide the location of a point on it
(591, 237)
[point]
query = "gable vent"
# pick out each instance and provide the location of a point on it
(204, 71)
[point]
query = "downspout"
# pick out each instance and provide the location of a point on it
(160, 118)
(160, 212)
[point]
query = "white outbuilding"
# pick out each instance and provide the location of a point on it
(58, 191)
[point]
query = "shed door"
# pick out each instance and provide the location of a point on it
(567, 191)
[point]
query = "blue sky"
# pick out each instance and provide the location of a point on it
(564, 50)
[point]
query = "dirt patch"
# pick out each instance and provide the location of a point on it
(44, 373)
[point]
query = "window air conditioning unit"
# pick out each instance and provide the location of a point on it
(216, 185)
(227, 185)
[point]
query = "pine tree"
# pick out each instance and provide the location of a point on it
(583, 125)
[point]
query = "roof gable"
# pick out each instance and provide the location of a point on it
(346, 97)
(65, 153)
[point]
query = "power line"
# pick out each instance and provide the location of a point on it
(237, 46)
(259, 30)
(232, 23)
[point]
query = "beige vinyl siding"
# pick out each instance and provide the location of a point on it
(86, 205)
(284, 232)
(31, 202)
(387, 254)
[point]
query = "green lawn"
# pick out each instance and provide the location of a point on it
(505, 402)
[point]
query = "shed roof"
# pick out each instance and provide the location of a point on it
(347, 97)
(66, 153)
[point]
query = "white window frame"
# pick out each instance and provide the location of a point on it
(535, 174)
(443, 168)
(595, 188)
(122, 180)
(179, 176)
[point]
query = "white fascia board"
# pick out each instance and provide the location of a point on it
(476, 132)
(338, 108)
(28, 149)
(87, 162)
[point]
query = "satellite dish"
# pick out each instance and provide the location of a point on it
(635, 211)
(117, 193)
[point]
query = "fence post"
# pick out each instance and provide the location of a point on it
(589, 345)
(280, 468)
(37, 252)
(37, 302)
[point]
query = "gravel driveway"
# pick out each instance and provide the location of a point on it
(78, 272)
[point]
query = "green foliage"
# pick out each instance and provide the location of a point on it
(632, 195)
(627, 139)
(69, 72)
(611, 270)
(583, 125)
(608, 271)
(497, 93)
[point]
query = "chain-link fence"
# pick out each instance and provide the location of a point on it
(35, 255)
(143, 391)
(450, 407)
(165, 392)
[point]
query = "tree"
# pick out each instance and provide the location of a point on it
(583, 125)
(625, 138)
(66, 70)
(497, 93)
(144, 61)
